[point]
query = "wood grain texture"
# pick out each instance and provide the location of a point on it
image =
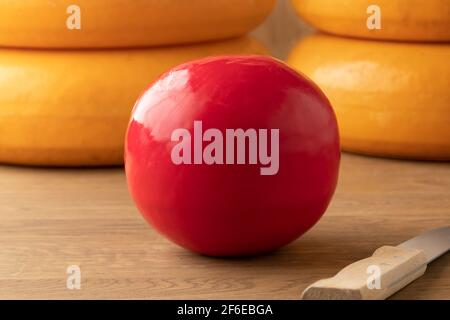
(52, 218)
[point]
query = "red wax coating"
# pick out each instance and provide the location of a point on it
(232, 209)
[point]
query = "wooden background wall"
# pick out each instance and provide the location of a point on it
(282, 29)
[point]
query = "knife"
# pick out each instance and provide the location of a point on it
(388, 270)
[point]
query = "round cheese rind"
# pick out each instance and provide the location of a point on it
(125, 23)
(391, 99)
(71, 107)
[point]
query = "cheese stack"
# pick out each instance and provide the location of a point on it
(70, 71)
(389, 86)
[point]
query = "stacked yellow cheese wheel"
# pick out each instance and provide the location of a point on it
(391, 98)
(70, 107)
(404, 20)
(125, 23)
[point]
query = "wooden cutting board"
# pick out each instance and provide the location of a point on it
(50, 219)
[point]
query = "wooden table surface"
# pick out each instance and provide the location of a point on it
(53, 218)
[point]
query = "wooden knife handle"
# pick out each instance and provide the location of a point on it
(388, 270)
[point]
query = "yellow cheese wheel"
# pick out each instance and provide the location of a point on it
(391, 98)
(409, 20)
(125, 23)
(71, 108)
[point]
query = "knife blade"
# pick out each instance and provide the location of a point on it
(433, 243)
(388, 270)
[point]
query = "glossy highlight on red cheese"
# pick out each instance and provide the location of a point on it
(231, 209)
